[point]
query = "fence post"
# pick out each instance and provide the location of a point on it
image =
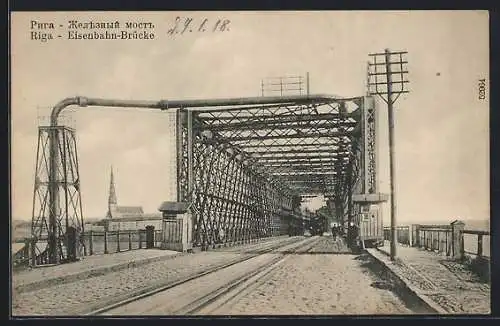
(106, 242)
(447, 234)
(457, 239)
(150, 237)
(91, 245)
(424, 239)
(433, 240)
(118, 249)
(82, 243)
(417, 235)
(480, 245)
(32, 244)
(129, 240)
(140, 239)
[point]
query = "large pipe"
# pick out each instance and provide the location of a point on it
(53, 197)
(166, 104)
(84, 101)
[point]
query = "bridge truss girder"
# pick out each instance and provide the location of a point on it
(240, 167)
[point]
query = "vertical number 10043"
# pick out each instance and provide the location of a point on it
(482, 89)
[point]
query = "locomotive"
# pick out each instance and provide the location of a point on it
(318, 224)
(313, 225)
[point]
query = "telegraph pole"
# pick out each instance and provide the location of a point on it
(392, 154)
(385, 89)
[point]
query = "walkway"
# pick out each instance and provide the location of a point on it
(42, 277)
(437, 279)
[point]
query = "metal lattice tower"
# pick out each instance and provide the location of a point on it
(56, 199)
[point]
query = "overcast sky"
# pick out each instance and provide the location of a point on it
(442, 128)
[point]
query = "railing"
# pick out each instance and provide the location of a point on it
(403, 234)
(437, 238)
(29, 254)
(474, 243)
(93, 243)
(21, 257)
(107, 242)
(450, 240)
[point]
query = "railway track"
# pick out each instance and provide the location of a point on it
(228, 295)
(187, 296)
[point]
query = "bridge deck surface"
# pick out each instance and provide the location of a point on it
(447, 283)
(96, 279)
(40, 277)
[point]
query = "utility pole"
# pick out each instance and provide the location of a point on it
(392, 153)
(386, 89)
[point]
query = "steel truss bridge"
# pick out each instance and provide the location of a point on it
(243, 164)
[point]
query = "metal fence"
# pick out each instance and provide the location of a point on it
(476, 243)
(403, 235)
(437, 238)
(448, 239)
(91, 243)
(107, 242)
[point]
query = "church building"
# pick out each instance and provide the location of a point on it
(115, 211)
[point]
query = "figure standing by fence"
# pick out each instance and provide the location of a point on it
(335, 232)
(80, 243)
(352, 235)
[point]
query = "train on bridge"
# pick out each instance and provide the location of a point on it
(318, 224)
(314, 225)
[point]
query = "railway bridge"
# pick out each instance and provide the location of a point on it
(243, 166)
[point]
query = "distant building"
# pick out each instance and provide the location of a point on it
(115, 211)
(124, 218)
(134, 223)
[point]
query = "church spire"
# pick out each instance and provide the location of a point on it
(112, 193)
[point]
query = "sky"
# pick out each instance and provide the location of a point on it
(441, 127)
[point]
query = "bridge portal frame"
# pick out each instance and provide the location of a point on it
(210, 139)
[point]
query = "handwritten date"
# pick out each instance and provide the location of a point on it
(189, 25)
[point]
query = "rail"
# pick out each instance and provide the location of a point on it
(201, 301)
(452, 240)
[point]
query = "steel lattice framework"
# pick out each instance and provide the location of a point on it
(67, 210)
(242, 166)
